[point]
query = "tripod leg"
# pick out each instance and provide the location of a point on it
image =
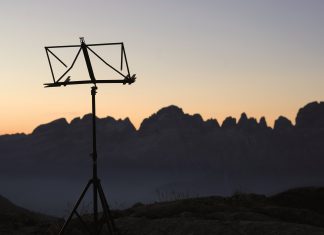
(75, 208)
(106, 211)
(95, 206)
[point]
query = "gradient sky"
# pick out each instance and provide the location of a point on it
(216, 58)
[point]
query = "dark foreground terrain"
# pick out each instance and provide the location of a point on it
(297, 211)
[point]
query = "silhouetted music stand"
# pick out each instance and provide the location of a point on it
(94, 181)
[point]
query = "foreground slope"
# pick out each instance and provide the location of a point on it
(290, 212)
(15, 220)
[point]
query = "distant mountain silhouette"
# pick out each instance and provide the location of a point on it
(171, 150)
(282, 123)
(229, 122)
(172, 118)
(311, 116)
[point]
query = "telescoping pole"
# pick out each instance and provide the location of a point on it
(94, 158)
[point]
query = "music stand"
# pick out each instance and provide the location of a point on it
(106, 218)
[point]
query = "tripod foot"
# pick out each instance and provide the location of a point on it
(97, 224)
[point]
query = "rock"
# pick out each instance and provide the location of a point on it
(243, 121)
(311, 116)
(107, 126)
(212, 124)
(55, 127)
(263, 123)
(172, 117)
(229, 123)
(282, 123)
(247, 124)
(167, 117)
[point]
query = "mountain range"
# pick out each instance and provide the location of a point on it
(171, 152)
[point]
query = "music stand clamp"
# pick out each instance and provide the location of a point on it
(106, 218)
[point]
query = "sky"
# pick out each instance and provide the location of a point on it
(218, 58)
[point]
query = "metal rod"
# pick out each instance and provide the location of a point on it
(57, 57)
(96, 44)
(50, 64)
(83, 223)
(106, 210)
(126, 62)
(121, 57)
(104, 44)
(88, 61)
(70, 66)
(62, 46)
(58, 84)
(75, 207)
(94, 158)
(106, 62)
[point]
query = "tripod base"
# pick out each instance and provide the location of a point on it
(98, 224)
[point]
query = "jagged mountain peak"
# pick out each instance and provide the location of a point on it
(282, 123)
(172, 117)
(80, 125)
(53, 126)
(311, 115)
(263, 122)
(229, 122)
(169, 112)
(247, 124)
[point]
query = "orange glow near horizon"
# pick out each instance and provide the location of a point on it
(30, 124)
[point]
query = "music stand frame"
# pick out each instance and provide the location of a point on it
(94, 181)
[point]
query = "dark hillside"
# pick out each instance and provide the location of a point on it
(16, 220)
(290, 212)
